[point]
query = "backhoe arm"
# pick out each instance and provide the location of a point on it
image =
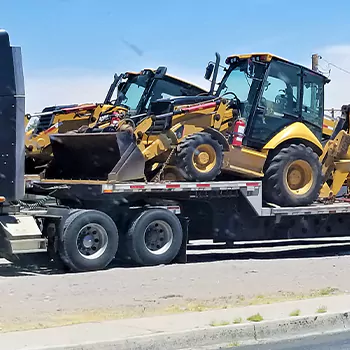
(335, 158)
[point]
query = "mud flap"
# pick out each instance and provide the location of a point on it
(93, 156)
(5, 245)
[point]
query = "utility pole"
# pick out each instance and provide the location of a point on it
(315, 58)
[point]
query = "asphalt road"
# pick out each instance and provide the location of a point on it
(339, 341)
(34, 294)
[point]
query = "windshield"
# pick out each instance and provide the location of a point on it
(169, 87)
(132, 91)
(243, 80)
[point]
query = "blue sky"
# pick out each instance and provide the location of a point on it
(84, 41)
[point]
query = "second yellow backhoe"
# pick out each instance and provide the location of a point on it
(127, 99)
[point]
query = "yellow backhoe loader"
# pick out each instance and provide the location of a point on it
(127, 99)
(265, 121)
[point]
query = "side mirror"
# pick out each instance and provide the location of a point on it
(160, 72)
(209, 71)
(28, 116)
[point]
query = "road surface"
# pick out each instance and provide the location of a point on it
(35, 296)
(339, 341)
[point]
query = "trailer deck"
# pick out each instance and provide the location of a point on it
(252, 191)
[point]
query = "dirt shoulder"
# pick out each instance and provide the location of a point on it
(40, 300)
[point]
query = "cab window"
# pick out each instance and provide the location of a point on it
(279, 101)
(313, 91)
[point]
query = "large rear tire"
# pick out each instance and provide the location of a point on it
(155, 237)
(293, 177)
(89, 241)
(200, 157)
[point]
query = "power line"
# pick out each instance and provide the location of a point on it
(334, 65)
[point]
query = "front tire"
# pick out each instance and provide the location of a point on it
(293, 177)
(89, 242)
(200, 157)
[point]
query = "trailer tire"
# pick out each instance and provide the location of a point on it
(200, 157)
(293, 177)
(155, 237)
(89, 240)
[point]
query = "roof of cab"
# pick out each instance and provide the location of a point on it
(269, 56)
(168, 75)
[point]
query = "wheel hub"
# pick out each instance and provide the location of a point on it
(88, 241)
(158, 237)
(299, 177)
(203, 158)
(92, 241)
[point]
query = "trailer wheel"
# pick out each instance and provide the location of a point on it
(155, 237)
(293, 177)
(89, 241)
(200, 157)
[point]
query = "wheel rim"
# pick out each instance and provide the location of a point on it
(204, 158)
(299, 177)
(92, 241)
(158, 237)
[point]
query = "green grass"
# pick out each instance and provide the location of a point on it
(219, 323)
(327, 291)
(322, 309)
(233, 344)
(255, 318)
(237, 320)
(295, 313)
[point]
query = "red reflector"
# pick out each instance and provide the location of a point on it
(137, 187)
(172, 186)
(252, 184)
(203, 185)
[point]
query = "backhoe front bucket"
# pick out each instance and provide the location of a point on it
(95, 156)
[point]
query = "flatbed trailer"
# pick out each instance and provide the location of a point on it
(85, 224)
(151, 223)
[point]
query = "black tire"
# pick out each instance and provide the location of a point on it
(76, 258)
(275, 185)
(138, 249)
(186, 151)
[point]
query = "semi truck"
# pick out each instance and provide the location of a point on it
(85, 224)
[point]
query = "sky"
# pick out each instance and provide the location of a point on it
(72, 48)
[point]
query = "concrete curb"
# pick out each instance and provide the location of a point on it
(244, 333)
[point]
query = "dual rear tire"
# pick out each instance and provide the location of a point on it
(90, 239)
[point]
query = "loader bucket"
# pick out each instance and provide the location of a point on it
(95, 156)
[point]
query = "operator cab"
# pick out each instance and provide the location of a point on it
(272, 93)
(139, 91)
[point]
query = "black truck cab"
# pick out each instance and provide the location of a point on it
(12, 106)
